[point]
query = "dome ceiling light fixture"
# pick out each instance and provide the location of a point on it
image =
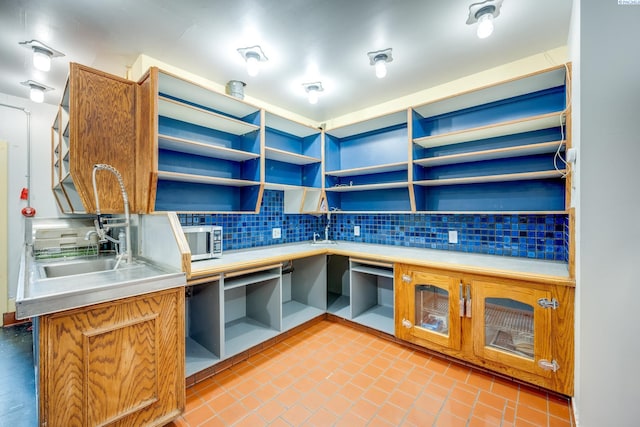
(42, 54)
(253, 55)
(36, 90)
(313, 90)
(484, 13)
(379, 60)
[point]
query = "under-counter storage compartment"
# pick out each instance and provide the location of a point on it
(338, 292)
(304, 289)
(252, 308)
(372, 294)
(202, 326)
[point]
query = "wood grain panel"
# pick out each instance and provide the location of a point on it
(147, 148)
(102, 130)
(119, 363)
(120, 367)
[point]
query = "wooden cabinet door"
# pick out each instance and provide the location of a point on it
(510, 326)
(116, 364)
(429, 308)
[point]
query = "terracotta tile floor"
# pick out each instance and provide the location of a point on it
(333, 375)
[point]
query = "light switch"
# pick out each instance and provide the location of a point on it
(356, 230)
(453, 236)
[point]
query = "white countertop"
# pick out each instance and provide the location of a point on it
(523, 268)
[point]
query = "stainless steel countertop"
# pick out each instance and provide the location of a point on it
(37, 296)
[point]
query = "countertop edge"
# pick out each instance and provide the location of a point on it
(302, 250)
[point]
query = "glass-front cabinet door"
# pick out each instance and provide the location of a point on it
(431, 309)
(511, 327)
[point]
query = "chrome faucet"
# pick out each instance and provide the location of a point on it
(326, 229)
(315, 236)
(102, 225)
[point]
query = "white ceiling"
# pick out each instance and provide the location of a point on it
(305, 41)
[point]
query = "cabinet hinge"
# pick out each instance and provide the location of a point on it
(548, 303)
(406, 278)
(549, 365)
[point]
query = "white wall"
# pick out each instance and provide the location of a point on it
(608, 390)
(13, 129)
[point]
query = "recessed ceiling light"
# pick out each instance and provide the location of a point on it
(36, 90)
(253, 56)
(42, 54)
(483, 13)
(313, 90)
(379, 60)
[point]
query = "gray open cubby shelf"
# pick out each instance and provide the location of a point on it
(303, 291)
(372, 295)
(202, 326)
(251, 312)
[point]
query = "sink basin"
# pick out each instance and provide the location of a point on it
(72, 268)
(324, 242)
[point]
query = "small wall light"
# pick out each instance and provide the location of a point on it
(253, 56)
(42, 54)
(379, 60)
(483, 13)
(313, 90)
(36, 90)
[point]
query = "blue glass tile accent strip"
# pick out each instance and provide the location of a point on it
(527, 236)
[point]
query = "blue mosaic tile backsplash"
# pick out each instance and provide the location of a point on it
(528, 236)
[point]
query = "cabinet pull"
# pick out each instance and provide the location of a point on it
(549, 303)
(548, 365)
(406, 278)
(467, 308)
(407, 324)
(461, 300)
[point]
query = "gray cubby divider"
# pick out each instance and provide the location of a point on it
(372, 295)
(338, 286)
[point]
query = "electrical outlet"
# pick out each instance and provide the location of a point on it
(453, 236)
(276, 233)
(356, 230)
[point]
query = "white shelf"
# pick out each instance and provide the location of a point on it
(197, 358)
(191, 92)
(201, 179)
(338, 305)
(289, 157)
(493, 154)
(367, 170)
(492, 178)
(249, 279)
(182, 145)
(378, 317)
(376, 271)
(244, 333)
(295, 313)
(375, 123)
(511, 127)
(520, 86)
(198, 116)
(289, 126)
(368, 187)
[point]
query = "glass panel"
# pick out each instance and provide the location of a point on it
(509, 326)
(432, 309)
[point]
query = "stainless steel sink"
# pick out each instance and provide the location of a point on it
(324, 242)
(75, 267)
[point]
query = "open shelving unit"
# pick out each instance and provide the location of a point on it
(293, 162)
(497, 149)
(208, 156)
(252, 308)
(367, 165)
(372, 294)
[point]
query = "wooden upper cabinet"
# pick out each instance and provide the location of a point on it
(102, 129)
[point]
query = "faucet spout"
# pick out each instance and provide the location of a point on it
(99, 222)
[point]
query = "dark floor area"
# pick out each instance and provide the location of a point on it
(17, 377)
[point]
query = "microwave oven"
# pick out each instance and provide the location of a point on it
(205, 241)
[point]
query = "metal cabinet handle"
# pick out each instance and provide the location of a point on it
(407, 324)
(467, 308)
(461, 300)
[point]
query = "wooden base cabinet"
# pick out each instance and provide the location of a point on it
(517, 328)
(118, 364)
